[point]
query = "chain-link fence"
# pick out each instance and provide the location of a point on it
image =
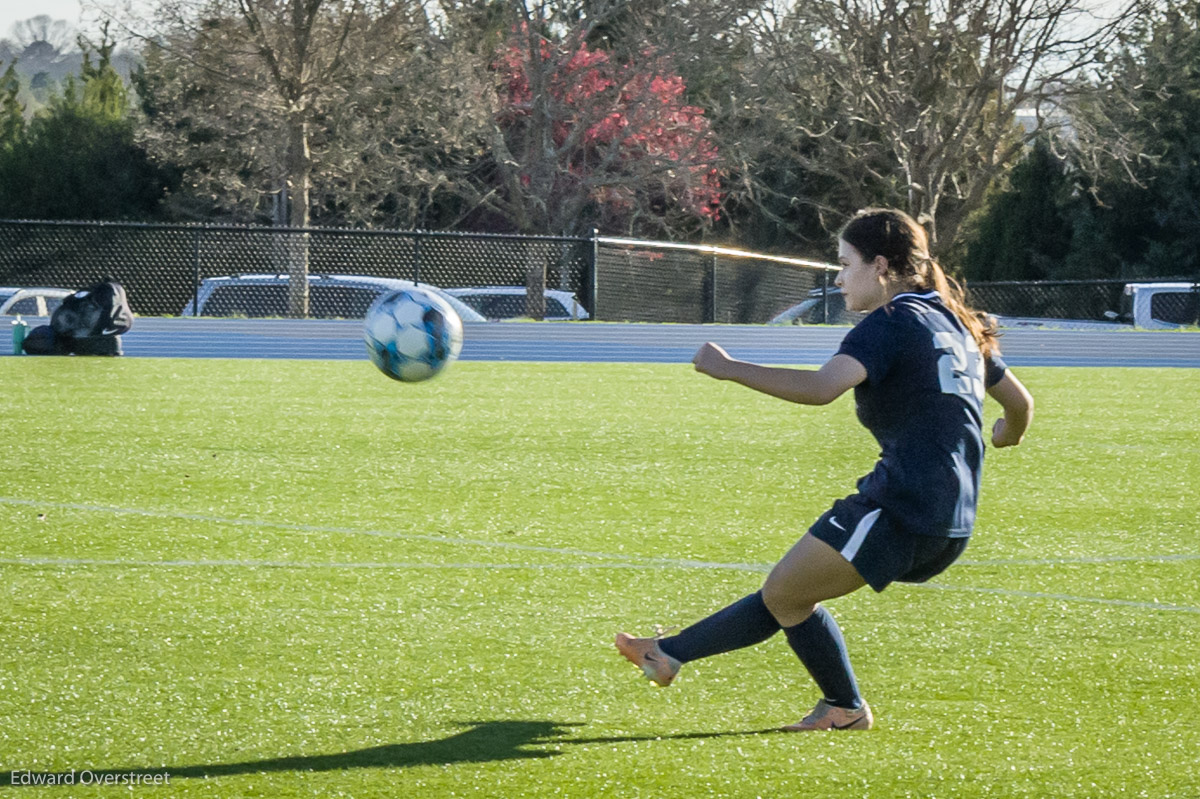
(243, 271)
(1146, 303)
(209, 270)
(648, 281)
(195, 270)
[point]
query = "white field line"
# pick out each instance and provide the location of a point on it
(1086, 560)
(1008, 592)
(75, 563)
(437, 539)
(645, 559)
(186, 563)
(614, 560)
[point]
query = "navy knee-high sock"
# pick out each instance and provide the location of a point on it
(744, 623)
(818, 642)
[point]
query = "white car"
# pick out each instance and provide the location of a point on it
(508, 302)
(31, 301)
(329, 296)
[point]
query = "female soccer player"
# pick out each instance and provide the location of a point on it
(919, 364)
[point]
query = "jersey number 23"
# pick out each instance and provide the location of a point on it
(960, 366)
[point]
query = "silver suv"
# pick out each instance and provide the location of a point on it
(329, 296)
(823, 306)
(508, 302)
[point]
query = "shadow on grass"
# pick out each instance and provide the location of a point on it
(482, 742)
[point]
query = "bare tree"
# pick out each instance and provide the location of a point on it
(1118, 134)
(921, 103)
(260, 97)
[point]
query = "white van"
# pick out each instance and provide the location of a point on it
(1161, 306)
(329, 296)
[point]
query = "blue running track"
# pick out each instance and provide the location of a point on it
(637, 343)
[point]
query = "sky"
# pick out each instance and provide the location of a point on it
(13, 11)
(80, 14)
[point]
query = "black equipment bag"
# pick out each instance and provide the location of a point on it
(85, 323)
(96, 345)
(100, 310)
(42, 340)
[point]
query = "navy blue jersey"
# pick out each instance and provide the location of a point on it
(923, 402)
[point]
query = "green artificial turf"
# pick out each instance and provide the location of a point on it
(290, 578)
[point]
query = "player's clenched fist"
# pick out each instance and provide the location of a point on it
(712, 360)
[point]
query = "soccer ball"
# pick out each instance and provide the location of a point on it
(412, 334)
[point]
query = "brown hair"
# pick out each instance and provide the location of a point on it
(903, 242)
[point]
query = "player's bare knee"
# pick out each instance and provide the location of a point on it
(787, 608)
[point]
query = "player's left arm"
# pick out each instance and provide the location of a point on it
(1017, 403)
(806, 386)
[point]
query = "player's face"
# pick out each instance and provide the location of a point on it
(863, 283)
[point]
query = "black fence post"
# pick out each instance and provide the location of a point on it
(416, 265)
(824, 296)
(714, 295)
(710, 292)
(196, 272)
(594, 269)
(1195, 314)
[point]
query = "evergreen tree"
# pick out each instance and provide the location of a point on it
(1144, 148)
(104, 93)
(1025, 232)
(1091, 253)
(77, 158)
(12, 112)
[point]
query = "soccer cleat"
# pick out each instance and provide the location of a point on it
(645, 653)
(828, 717)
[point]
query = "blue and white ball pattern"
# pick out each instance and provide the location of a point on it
(412, 334)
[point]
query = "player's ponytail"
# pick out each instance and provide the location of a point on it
(981, 325)
(903, 242)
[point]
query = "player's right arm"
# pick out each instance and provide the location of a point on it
(806, 386)
(1017, 403)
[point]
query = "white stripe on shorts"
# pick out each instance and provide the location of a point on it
(860, 534)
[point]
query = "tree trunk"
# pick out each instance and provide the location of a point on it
(535, 285)
(299, 167)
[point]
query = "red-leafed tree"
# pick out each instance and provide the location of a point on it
(580, 141)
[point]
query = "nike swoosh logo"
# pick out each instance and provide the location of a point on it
(848, 726)
(110, 332)
(833, 521)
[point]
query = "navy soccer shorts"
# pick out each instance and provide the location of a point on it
(880, 551)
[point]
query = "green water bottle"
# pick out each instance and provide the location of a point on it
(20, 328)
